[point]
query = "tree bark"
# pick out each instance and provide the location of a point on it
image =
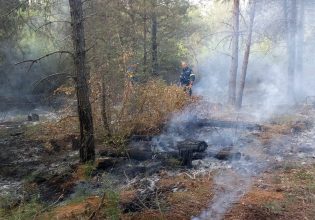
(246, 55)
(87, 148)
(104, 104)
(300, 42)
(154, 40)
(145, 32)
(292, 30)
(234, 61)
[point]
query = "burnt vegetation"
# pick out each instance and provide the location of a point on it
(99, 119)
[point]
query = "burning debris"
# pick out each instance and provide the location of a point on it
(33, 117)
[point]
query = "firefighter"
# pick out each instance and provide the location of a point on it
(131, 73)
(187, 78)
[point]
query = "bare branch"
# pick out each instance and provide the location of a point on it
(43, 57)
(50, 77)
(14, 9)
(51, 22)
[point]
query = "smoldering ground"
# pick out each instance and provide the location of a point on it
(266, 96)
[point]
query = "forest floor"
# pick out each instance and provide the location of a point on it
(40, 178)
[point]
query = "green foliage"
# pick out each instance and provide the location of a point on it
(117, 141)
(304, 175)
(288, 166)
(88, 169)
(112, 210)
(6, 201)
(80, 195)
(279, 206)
(32, 176)
(26, 211)
(32, 129)
(311, 187)
(173, 162)
(274, 207)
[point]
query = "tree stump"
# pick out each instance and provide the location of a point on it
(187, 148)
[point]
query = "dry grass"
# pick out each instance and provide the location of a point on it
(194, 196)
(144, 110)
(148, 106)
(292, 196)
(281, 126)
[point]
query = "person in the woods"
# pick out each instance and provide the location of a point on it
(131, 73)
(187, 78)
(131, 79)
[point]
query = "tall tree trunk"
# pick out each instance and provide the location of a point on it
(104, 104)
(145, 32)
(87, 148)
(154, 40)
(234, 61)
(292, 30)
(246, 55)
(300, 42)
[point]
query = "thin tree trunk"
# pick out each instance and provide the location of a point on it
(154, 40)
(246, 55)
(292, 18)
(145, 32)
(104, 104)
(234, 61)
(87, 148)
(300, 42)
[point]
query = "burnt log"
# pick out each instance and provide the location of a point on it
(200, 123)
(227, 154)
(29, 118)
(187, 149)
(75, 143)
(140, 151)
(106, 163)
(35, 117)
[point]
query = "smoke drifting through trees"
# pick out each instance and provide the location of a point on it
(149, 38)
(276, 60)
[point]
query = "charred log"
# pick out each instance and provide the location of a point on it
(199, 123)
(227, 154)
(186, 150)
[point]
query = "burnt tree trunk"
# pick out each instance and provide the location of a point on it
(104, 104)
(154, 40)
(292, 29)
(300, 42)
(234, 55)
(246, 55)
(87, 148)
(145, 32)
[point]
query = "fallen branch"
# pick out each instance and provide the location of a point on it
(46, 208)
(95, 213)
